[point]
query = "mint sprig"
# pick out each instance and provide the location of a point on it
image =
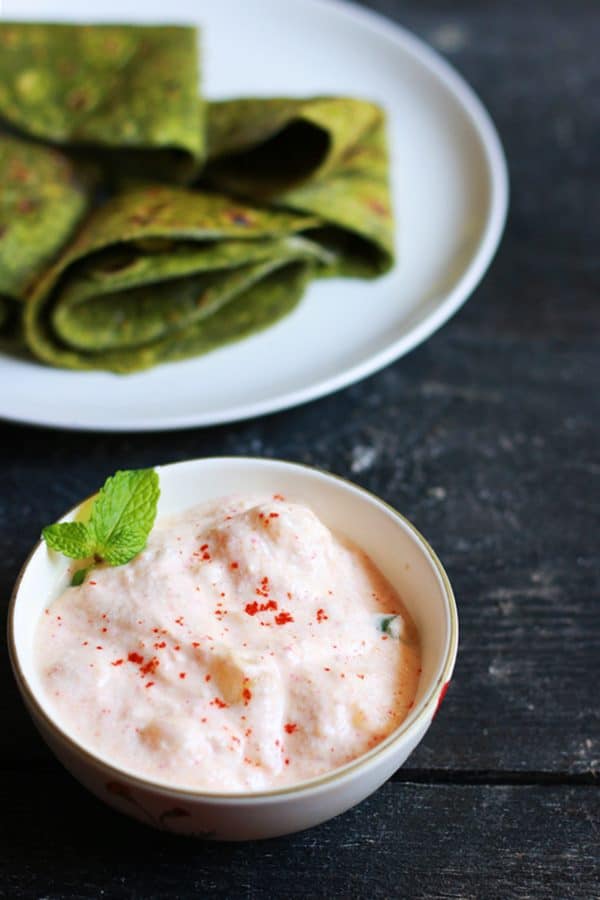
(121, 518)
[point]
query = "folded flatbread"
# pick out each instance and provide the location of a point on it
(284, 190)
(42, 198)
(128, 91)
(325, 156)
(161, 273)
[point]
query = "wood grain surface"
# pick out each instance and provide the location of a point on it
(407, 840)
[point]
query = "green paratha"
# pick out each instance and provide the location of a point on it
(42, 198)
(291, 189)
(325, 156)
(129, 91)
(163, 273)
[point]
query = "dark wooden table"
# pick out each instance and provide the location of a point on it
(487, 438)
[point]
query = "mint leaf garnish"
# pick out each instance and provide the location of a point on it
(121, 518)
(123, 514)
(74, 539)
(124, 545)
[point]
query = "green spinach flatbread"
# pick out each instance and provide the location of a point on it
(42, 198)
(163, 273)
(130, 91)
(325, 156)
(285, 190)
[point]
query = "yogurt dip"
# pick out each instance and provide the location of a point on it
(246, 648)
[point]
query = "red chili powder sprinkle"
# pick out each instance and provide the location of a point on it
(179, 620)
(321, 615)
(287, 762)
(155, 630)
(273, 515)
(207, 677)
(176, 647)
(247, 732)
(85, 643)
(206, 556)
(234, 565)
(149, 684)
(182, 674)
(150, 667)
(278, 497)
(194, 644)
(161, 645)
(290, 727)
(247, 695)
(204, 547)
(135, 658)
(93, 582)
(104, 630)
(255, 607)
(283, 618)
(99, 647)
(204, 719)
(117, 662)
(326, 669)
(361, 677)
(218, 702)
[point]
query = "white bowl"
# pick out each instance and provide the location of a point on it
(395, 546)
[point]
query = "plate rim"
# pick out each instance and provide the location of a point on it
(486, 247)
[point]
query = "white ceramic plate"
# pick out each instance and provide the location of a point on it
(450, 194)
